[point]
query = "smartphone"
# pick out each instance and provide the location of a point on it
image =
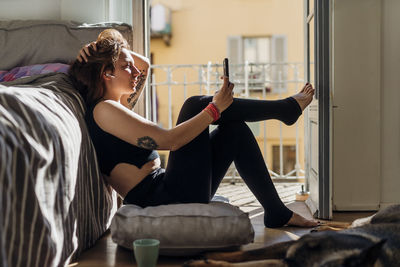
(226, 67)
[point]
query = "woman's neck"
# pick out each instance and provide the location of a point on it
(123, 99)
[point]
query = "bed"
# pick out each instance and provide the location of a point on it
(53, 199)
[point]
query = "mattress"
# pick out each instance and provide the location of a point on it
(54, 201)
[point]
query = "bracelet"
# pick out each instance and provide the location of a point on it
(209, 112)
(213, 111)
(215, 106)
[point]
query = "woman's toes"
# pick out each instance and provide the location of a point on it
(305, 96)
(312, 224)
(300, 221)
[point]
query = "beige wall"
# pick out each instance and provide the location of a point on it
(366, 146)
(200, 28)
(89, 11)
(30, 9)
(199, 34)
(390, 96)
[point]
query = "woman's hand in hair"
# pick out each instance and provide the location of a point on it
(84, 53)
(223, 98)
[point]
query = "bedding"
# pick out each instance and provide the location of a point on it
(54, 202)
(25, 71)
(53, 199)
(29, 42)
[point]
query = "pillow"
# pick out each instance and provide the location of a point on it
(29, 42)
(183, 229)
(19, 72)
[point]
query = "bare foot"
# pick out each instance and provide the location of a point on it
(305, 96)
(297, 220)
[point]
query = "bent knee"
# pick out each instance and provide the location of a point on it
(193, 106)
(197, 100)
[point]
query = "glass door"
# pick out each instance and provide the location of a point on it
(317, 116)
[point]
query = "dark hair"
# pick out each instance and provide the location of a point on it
(87, 76)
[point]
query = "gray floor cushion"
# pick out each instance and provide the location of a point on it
(183, 229)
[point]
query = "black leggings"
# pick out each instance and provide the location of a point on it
(195, 171)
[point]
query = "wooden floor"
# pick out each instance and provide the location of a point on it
(108, 254)
(240, 195)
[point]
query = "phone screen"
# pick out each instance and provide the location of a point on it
(226, 67)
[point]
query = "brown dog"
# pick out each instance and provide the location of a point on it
(371, 241)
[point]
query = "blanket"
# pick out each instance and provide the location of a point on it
(53, 199)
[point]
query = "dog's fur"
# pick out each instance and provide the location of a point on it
(371, 241)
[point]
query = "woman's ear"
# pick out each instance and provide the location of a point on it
(108, 76)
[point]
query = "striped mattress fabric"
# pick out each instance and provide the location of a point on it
(53, 199)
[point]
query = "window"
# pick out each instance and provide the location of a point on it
(95, 11)
(257, 49)
(289, 158)
(160, 22)
(267, 56)
(120, 10)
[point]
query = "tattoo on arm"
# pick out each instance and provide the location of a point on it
(147, 142)
(130, 102)
(133, 98)
(141, 79)
(133, 103)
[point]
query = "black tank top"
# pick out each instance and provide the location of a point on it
(111, 150)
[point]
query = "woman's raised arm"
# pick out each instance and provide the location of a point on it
(142, 64)
(125, 124)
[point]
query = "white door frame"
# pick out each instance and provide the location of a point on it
(321, 17)
(141, 45)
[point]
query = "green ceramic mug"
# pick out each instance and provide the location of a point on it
(146, 252)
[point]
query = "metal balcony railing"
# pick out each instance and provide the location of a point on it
(250, 79)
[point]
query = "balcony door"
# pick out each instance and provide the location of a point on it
(317, 126)
(141, 45)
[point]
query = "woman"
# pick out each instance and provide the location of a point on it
(111, 78)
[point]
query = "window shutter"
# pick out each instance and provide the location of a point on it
(235, 54)
(279, 55)
(235, 49)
